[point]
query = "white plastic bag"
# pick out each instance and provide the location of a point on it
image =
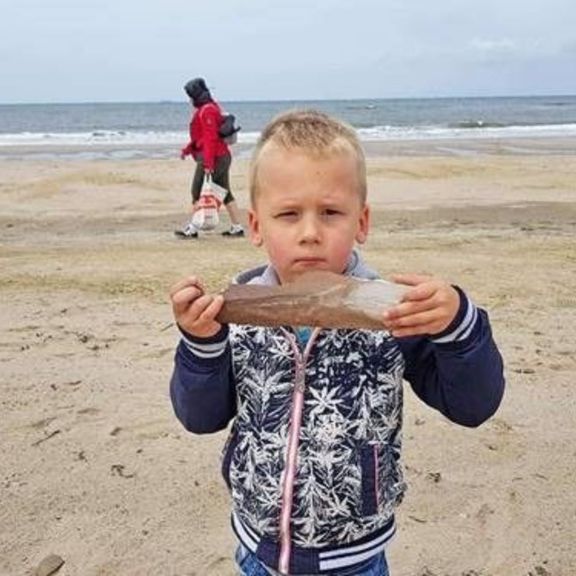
(206, 216)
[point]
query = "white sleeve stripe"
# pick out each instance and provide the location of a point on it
(207, 355)
(470, 327)
(465, 327)
(205, 350)
(206, 347)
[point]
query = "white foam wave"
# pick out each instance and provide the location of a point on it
(381, 133)
(96, 138)
(174, 140)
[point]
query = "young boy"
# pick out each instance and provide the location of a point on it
(312, 461)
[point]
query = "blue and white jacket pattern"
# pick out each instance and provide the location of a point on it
(313, 456)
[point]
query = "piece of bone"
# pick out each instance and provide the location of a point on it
(316, 298)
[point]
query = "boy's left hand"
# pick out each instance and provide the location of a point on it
(427, 308)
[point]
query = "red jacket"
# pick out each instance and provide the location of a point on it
(204, 139)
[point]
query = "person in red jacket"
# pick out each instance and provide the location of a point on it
(211, 153)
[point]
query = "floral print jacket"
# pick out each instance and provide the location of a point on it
(313, 455)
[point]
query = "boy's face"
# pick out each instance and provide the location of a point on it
(307, 212)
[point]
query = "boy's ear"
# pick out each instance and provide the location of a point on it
(254, 226)
(363, 225)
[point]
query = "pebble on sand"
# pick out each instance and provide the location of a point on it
(49, 565)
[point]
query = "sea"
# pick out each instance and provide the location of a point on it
(159, 129)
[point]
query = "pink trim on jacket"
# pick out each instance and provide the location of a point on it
(292, 453)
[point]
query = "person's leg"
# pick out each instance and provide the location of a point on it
(197, 183)
(189, 230)
(234, 214)
(378, 567)
(248, 564)
(221, 177)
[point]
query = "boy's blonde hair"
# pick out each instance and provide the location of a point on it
(314, 132)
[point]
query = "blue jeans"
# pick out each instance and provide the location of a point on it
(250, 566)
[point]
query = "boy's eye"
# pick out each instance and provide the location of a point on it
(286, 214)
(332, 212)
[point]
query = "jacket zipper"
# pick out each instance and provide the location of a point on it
(289, 476)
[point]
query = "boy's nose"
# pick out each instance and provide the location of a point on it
(310, 231)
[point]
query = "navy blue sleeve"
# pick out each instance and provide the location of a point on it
(459, 372)
(202, 387)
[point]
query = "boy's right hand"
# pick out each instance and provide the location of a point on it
(194, 310)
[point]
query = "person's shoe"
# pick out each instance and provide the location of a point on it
(234, 231)
(188, 231)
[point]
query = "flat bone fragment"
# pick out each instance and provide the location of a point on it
(316, 298)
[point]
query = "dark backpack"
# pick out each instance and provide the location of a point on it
(228, 130)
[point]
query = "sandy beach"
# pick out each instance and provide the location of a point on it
(95, 467)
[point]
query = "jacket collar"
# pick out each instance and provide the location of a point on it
(265, 275)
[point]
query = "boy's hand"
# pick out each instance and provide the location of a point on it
(194, 310)
(426, 309)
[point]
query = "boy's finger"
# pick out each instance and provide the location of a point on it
(422, 291)
(410, 279)
(185, 296)
(185, 283)
(198, 307)
(408, 308)
(424, 318)
(411, 331)
(211, 311)
(206, 311)
(190, 308)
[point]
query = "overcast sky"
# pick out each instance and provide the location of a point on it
(123, 50)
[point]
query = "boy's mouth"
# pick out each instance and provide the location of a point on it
(309, 262)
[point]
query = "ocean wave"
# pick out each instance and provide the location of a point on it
(477, 124)
(104, 138)
(94, 138)
(379, 133)
(172, 141)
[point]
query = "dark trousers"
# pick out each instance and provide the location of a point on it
(220, 176)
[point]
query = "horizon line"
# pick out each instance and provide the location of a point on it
(281, 100)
